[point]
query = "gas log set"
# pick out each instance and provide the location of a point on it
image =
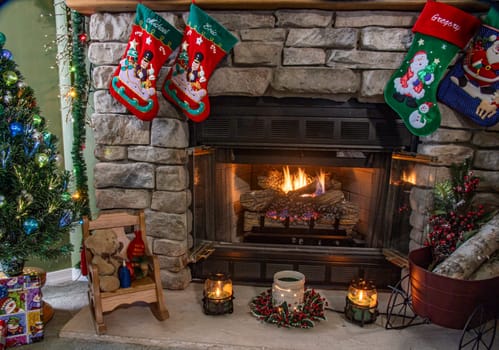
(298, 208)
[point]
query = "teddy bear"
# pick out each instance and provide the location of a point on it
(105, 248)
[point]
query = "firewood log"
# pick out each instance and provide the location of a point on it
(330, 198)
(489, 269)
(471, 254)
(257, 200)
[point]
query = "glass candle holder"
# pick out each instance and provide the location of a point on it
(218, 294)
(361, 302)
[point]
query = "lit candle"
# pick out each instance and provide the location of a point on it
(363, 301)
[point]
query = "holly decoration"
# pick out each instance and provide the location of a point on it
(455, 218)
(304, 316)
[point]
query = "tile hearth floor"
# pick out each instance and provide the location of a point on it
(188, 327)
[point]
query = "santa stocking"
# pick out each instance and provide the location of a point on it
(204, 44)
(440, 32)
(151, 43)
(472, 85)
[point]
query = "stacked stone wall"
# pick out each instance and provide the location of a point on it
(284, 53)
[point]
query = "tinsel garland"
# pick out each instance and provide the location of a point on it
(304, 316)
(78, 110)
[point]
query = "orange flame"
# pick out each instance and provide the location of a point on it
(410, 178)
(299, 179)
(321, 183)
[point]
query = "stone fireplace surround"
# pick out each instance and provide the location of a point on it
(330, 53)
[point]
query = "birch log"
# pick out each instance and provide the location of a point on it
(468, 257)
(489, 269)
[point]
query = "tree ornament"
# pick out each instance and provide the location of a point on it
(3, 38)
(6, 54)
(151, 42)
(30, 225)
(9, 77)
(2, 201)
(16, 128)
(41, 159)
(440, 31)
(37, 120)
(47, 138)
(205, 43)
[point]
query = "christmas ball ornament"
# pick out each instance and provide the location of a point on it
(37, 120)
(16, 128)
(6, 54)
(3, 38)
(41, 159)
(47, 138)
(2, 201)
(9, 77)
(30, 225)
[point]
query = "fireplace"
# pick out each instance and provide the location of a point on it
(337, 50)
(333, 226)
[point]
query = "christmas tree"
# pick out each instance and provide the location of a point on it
(36, 206)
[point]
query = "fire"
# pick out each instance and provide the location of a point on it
(320, 187)
(299, 179)
(410, 178)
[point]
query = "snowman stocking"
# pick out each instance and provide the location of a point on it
(472, 85)
(134, 82)
(440, 31)
(204, 44)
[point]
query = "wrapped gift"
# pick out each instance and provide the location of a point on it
(20, 310)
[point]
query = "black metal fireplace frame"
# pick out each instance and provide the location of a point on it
(351, 134)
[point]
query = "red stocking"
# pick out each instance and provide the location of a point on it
(134, 83)
(204, 44)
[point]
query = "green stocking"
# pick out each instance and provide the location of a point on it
(440, 32)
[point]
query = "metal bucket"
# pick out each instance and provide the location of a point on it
(445, 301)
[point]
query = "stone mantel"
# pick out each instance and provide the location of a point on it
(88, 7)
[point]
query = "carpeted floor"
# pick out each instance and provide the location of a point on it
(189, 328)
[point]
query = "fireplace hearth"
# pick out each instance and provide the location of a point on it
(247, 146)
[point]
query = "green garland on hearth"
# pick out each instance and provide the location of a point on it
(79, 80)
(304, 316)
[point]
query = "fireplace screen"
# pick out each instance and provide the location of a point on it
(282, 204)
